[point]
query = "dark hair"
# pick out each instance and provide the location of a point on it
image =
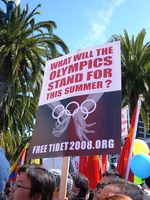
(101, 185)
(112, 174)
(82, 183)
(42, 181)
(91, 194)
(129, 189)
(7, 186)
(147, 181)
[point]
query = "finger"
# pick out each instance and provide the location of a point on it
(78, 132)
(85, 137)
(88, 131)
(89, 125)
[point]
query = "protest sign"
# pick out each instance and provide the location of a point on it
(125, 121)
(79, 109)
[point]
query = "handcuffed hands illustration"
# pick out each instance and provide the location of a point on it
(81, 112)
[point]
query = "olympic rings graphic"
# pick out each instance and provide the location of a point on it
(87, 107)
(87, 112)
(75, 111)
(60, 114)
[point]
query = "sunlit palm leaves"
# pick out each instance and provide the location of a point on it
(135, 64)
(135, 58)
(25, 45)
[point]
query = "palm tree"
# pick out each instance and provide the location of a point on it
(135, 65)
(13, 145)
(24, 47)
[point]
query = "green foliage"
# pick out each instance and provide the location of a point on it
(13, 145)
(24, 47)
(135, 64)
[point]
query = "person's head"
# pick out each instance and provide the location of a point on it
(57, 175)
(117, 197)
(4, 170)
(108, 177)
(34, 183)
(80, 186)
(108, 190)
(91, 194)
(147, 181)
(98, 189)
(122, 187)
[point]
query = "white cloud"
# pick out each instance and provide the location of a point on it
(99, 22)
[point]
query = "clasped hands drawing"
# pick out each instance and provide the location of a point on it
(81, 112)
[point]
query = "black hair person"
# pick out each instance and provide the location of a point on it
(81, 183)
(42, 181)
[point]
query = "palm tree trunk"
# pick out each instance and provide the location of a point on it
(3, 90)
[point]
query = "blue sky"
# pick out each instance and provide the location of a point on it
(86, 23)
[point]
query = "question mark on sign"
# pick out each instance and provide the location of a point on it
(108, 82)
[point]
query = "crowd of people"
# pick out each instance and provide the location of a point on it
(34, 182)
